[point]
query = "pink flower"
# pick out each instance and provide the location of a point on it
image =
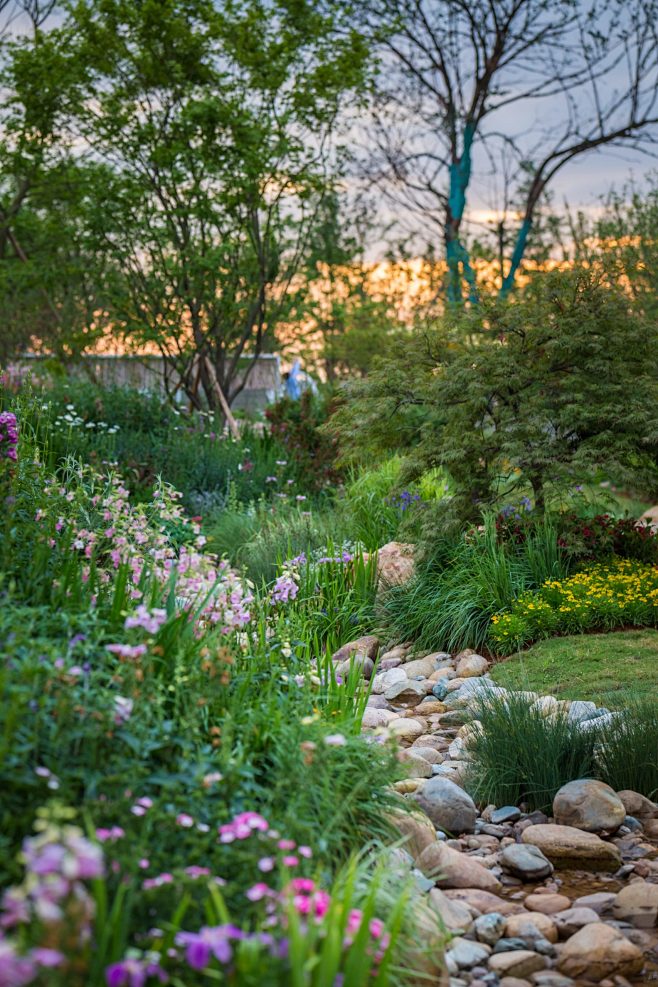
(266, 864)
(290, 861)
(184, 820)
(305, 851)
(257, 891)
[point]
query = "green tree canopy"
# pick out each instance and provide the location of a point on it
(555, 389)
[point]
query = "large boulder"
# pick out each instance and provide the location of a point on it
(448, 806)
(588, 805)
(637, 903)
(451, 869)
(395, 563)
(598, 951)
(564, 844)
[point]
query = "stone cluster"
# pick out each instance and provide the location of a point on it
(507, 898)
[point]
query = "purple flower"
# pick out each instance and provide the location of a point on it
(8, 436)
(209, 941)
(285, 588)
(133, 973)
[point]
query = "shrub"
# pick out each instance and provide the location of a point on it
(518, 395)
(619, 594)
(594, 539)
(518, 755)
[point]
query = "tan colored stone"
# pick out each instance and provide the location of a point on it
(516, 924)
(395, 563)
(484, 902)
(637, 903)
(564, 843)
(547, 904)
(471, 666)
(452, 869)
(598, 951)
(417, 829)
(415, 765)
(638, 806)
(430, 707)
(517, 963)
(419, 667)
(407, 785)
(588, 805)
(455, 915)
(366, 646)
(406, 728)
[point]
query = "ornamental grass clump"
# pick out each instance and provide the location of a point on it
(520, 756)
(628, 757)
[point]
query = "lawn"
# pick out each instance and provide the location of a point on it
(599, 667)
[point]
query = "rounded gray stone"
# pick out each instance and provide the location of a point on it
(529, 866)
(448, 806)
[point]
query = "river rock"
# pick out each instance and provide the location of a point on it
(448, 806)
(547, 904)
(408, 691)
(526, 862)
(362, 662)
(466, 953)
(563, 844)
(588, 805)
(489, 928)
(638, 805)
(598, 951)
(483, 901)
(384, 680)
(419, 667)
(573, 919)
(506, 814)
(531, 925)
(373, 718)
(471, 666)
(415, 765)
(599, 902)
(637, 903)
(455, 915)
(452, 869)
(395, 563)
(579, 710)
(517, 963)
(406, 728)
(416, 828)
(366, 646)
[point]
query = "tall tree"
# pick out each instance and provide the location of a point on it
(463, 83)
(213, 123)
